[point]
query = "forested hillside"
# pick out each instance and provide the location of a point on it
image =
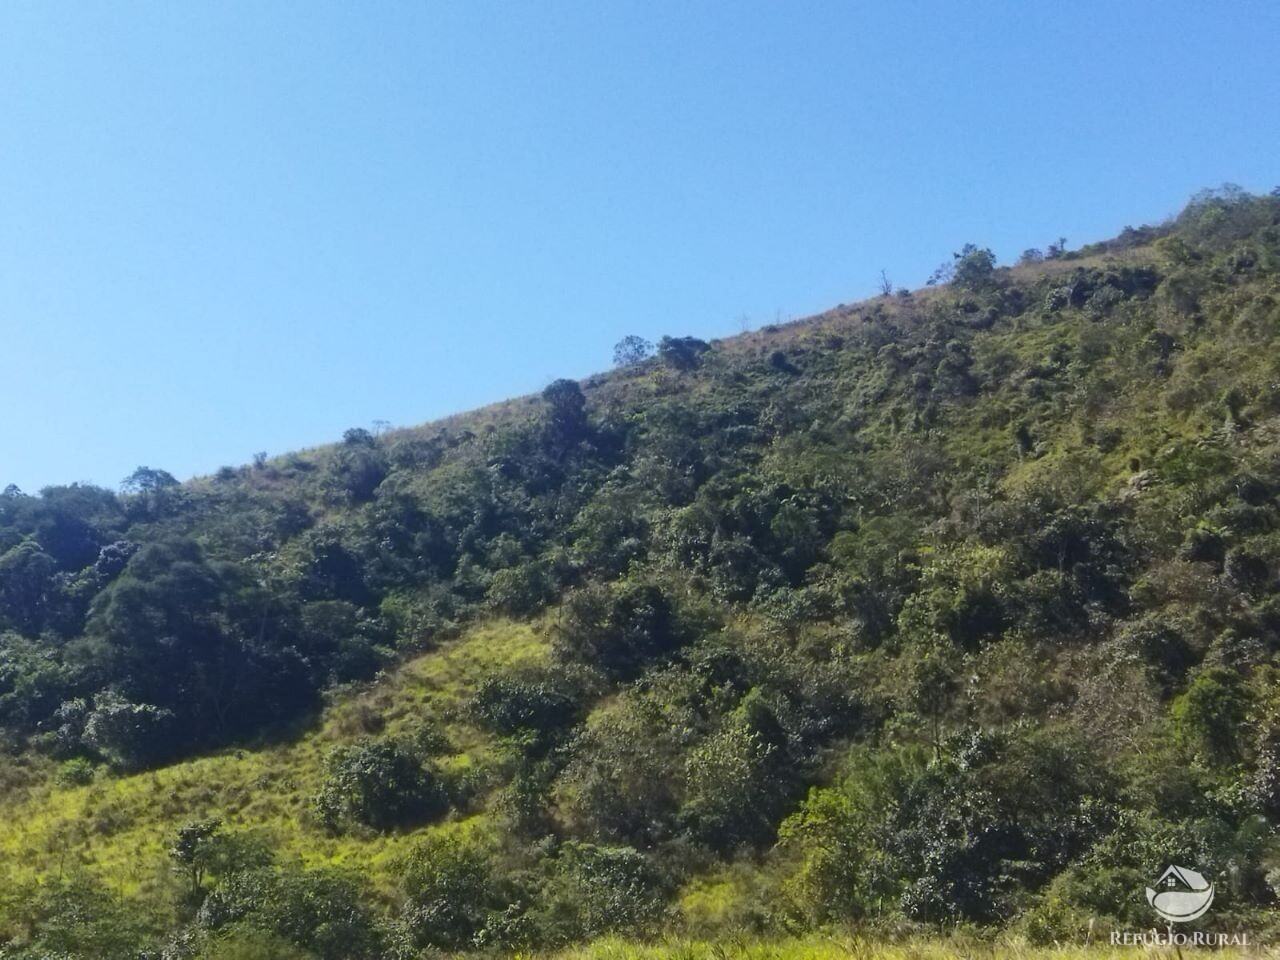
(952, 607)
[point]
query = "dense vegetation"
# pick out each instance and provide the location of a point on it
(952, 607)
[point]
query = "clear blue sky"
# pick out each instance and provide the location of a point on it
(228, 227)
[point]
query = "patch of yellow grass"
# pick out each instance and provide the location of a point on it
(853, 948)
(119, 827)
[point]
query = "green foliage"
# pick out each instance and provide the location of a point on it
(620, 629)
(736, 779)
(631, 350)
(957, 839)
(972, 269)
(76, 772)
(202, 849)
(514, 704)
(173, 629)
(597, 890)
(320, 911)
(448, 891)
(26, 586)
(840, 867)
(616, 786)
(76, 918)
(129, 735)
(682, 353)
(380, 784)
(250, 943)
(1209, 716)
(566, 423)
(1008, 547)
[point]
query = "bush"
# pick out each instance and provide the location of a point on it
(619, 629)
(130, 736)
(76, 772)
(519, 590)
(621, 782)
(379, 784)
(682, 353)
(836, 842)
(73, 918)
(597, 890)
(510, 705)
(322, 911)
(1209, 716)
(250, 943)
(1267, 774)
(448, 891)
(735, 780)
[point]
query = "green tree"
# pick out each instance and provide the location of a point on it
(566, 415)
(734, 783)
(380, 784)
(1209, 717)
(631, 350)
(201, 849)
(325, 912)
(448, 891)
(27, 587)
(682, 353)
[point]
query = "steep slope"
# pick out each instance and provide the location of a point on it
(954, 606)
(120, 828)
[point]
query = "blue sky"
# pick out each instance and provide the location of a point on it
(229, 227)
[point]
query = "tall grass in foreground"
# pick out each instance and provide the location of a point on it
(852, 948)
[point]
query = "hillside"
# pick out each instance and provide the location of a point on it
(955, 609)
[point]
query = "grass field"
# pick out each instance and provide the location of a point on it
(848, 948)
(117, 828)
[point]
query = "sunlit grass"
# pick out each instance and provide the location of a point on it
(119, 827)
(853, 948)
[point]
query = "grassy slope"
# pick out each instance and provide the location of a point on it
(118, 826)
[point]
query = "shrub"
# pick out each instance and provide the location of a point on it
(619, 629)
(1209, 716)
(837, 840)
(511, 704)
(77, 918)
(596, 890)
(130, 735)
(620, 783)
(448, 891)
(322, 911)
(76, 772)
(250, 943)
(735, 781)
(1267, 775)
(519, 590)
(682, 353)
(379, 784)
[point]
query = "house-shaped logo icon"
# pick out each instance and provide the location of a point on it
(1180, 895)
